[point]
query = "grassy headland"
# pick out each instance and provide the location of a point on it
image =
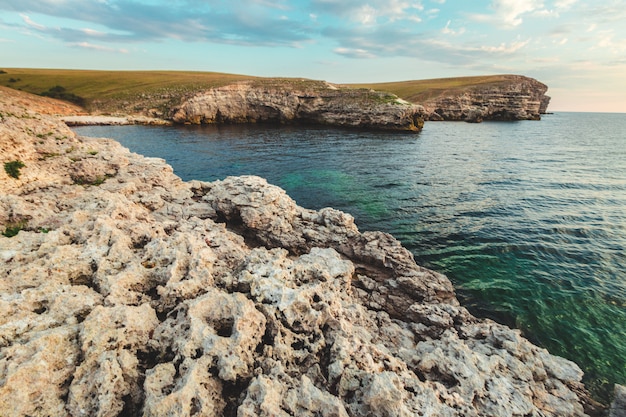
(114, 91)
(419, 91)
(128, 92)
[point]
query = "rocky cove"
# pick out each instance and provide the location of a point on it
(127, 291)
(300, 101)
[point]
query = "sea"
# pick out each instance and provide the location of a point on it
(527, 219)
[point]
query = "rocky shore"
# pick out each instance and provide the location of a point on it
(126, 291)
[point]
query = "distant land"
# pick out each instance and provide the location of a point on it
(161, 93)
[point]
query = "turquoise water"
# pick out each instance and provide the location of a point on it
(528, 219)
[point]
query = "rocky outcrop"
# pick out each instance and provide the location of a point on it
(618, 408)
(300, 101)
(126, 291)
(516, 98)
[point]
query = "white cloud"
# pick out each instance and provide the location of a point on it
(32, 24)
(87, 45)
(564, 4)
(365, 15)
(374, 11)
(447, 31)
(503, 48)
(508, 13)
(354, 53)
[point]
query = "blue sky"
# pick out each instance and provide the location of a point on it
(576, 47)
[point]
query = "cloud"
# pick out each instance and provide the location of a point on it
(100, 48)
(508, 13)
(247, 22)
(374, 11)
(354, 53)
(447, 31)
(32, 24)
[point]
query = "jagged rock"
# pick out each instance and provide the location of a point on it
(142, 294)
(312, 102)
(516, 98)
(618, 407)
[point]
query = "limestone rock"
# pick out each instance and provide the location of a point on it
(127, 291)
(618, 407)
(518, 98)
(311, 102)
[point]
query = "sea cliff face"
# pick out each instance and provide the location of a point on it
(293, 101)
(127, 291)
(517, 98)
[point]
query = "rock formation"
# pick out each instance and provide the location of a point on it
(516, 98)
(300, 101)
(126, 291)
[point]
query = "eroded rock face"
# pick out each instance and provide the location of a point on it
(289, 101)
(519, 98)
(130, 292)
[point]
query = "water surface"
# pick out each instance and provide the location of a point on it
(528, 219)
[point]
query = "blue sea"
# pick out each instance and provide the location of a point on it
(528, 219)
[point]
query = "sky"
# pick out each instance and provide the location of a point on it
(576, 47)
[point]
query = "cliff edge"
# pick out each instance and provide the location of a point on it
(126, 291)
(474, 99)
(299, 101)
(520, 98)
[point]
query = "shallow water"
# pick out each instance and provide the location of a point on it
(528, 219)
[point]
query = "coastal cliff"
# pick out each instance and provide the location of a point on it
(158, 97)
(520, 98)
(127, 291)
(474, 99)
(300, 101)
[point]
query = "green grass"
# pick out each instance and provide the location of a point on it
(111, 91)
(13, 228)
(418, 91)
(92, 84)
(134, 91)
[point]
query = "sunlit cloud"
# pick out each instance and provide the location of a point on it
(29, 22)
(509, 13)
(354, 53)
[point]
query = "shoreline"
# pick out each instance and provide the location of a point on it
(200, 296)
(101, 120)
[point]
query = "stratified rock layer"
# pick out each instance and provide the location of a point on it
(294, 101)
(130, 292)
(517, 98)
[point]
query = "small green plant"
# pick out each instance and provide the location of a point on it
(13, 229)
(92, 152)
(99, 180)
(12, 168)
(61, 93)
(47, 155)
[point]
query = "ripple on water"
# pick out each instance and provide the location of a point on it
(528, 219)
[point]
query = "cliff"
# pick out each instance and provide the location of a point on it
(520, 98)
(474, 99)
(300, 101)
(153, 97)
(126, 291)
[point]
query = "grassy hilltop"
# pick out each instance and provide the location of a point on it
(137, 91)
(419, 91)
